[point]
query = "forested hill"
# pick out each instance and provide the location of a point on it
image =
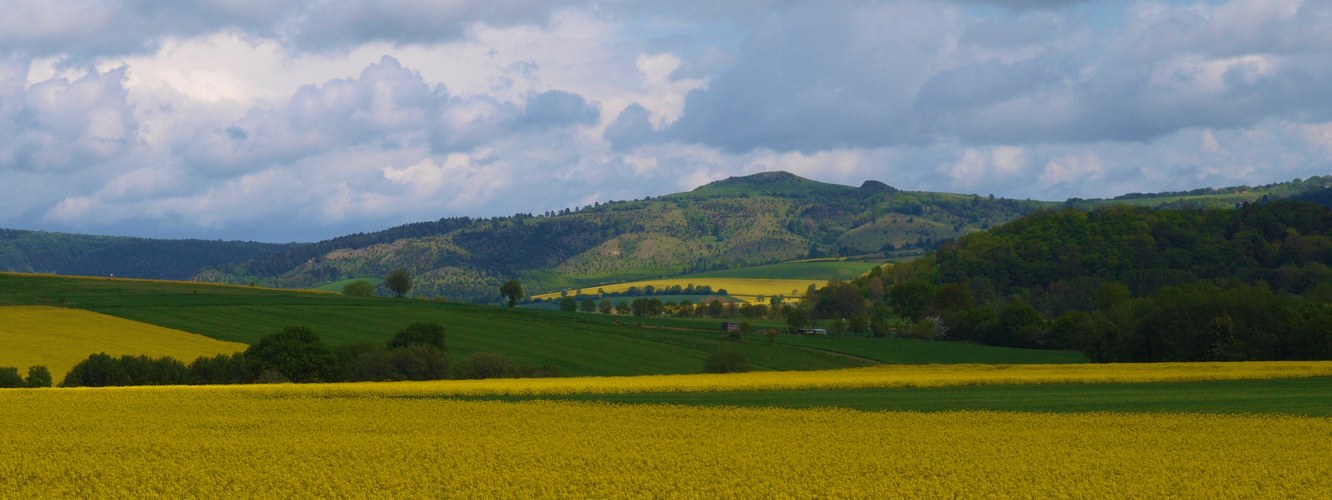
(84, 255)
(1127, 283)
(737, 222)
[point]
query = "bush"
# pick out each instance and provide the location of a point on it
(220, 370)
(99, 370)
(359, 288)
(414, 362)
(430, 334)
(296, 353)
(547, 370)
(726, 362)
(349, 355)
(38, 376)
(9, 378)
(481, 365)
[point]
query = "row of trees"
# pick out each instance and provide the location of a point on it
(297, 354)
(38, 376)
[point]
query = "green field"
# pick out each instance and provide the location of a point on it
(577, 344)
(1310, 396)
(336, 286)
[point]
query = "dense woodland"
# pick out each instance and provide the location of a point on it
(83, 255)
(1121, 284)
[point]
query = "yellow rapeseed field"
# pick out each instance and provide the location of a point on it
(881, 376)
(59, 338)
(294, 442)
(741, 288)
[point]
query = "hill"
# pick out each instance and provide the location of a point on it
(734, 223)
(84, 255)
(577, 344)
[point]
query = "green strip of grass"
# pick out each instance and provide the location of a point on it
(1299, 396)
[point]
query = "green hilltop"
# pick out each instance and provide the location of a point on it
(734, 223)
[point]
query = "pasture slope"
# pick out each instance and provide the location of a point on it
(577, 344)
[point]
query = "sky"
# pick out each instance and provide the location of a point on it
(305, 120)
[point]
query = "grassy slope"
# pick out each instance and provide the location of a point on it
(336, 286)
(1299, 396)
(242, 314)
(578, 344)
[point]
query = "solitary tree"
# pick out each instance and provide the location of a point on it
(588, 306)
(399, 281)
(513, 291)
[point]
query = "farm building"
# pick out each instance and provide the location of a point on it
(730, 326)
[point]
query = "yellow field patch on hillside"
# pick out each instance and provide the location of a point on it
(223, 442)
(745, 289)
(59, 338)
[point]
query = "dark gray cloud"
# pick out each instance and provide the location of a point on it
(630, 129)
(558, 108)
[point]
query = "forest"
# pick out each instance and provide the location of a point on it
(1121, 283)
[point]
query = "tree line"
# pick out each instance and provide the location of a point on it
(297, 354)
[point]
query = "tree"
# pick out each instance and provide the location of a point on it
(568, 304)
(588, 306)
(296, 353)
(726, 362)
(513, 291)
(910, 299)
(715, 308)
(10, 378)
(399, 281)
(606, 307)
(431, 334)
(359, 288)
(38, 376)
(796, 319)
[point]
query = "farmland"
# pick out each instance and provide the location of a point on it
(578, 344)
(58, 338)
(364, 440)
(747, 289)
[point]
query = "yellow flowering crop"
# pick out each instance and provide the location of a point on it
(221, 442)
(741, 288)
(880, 376)
(59, 338)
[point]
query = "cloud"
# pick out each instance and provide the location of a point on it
(630, 129)
(305, 120)
(874, 75)
(63, 125)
